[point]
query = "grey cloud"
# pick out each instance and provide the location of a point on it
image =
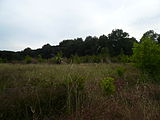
(33, 23)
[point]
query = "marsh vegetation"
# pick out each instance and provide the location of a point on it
(77, 92)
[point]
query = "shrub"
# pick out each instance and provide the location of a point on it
(28, 59)
(58, 58)
(124, 58)
(120, 71)
(1, 60)
(146, 56)
(40, 59)
(108, 86)
(76, 59)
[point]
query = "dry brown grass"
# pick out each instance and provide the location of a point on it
(52, 92)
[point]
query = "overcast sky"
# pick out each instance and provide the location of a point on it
(33, 23)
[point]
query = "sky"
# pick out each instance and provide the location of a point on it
(33, 23)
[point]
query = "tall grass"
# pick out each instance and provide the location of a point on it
(73, 92)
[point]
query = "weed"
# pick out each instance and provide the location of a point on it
(120, 71)
(108, 86)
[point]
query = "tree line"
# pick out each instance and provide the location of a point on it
(112, 45)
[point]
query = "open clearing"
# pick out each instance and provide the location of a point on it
(74, 92)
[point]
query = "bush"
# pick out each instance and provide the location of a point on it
(59, 58)
(3, 60)
(146, 56)
(76, 59)
(40, 59)
(28, 59)
(125, 59)
(108, 86)
(120, 71)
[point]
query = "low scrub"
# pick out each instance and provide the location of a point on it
(108, 86)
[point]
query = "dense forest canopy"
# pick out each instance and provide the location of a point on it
(113, 44)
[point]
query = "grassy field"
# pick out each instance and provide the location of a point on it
(76, 92)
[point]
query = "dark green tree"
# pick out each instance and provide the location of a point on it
(119, 40)
(151, 34)
(47, 51)
(71, 47)
(90, 45)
